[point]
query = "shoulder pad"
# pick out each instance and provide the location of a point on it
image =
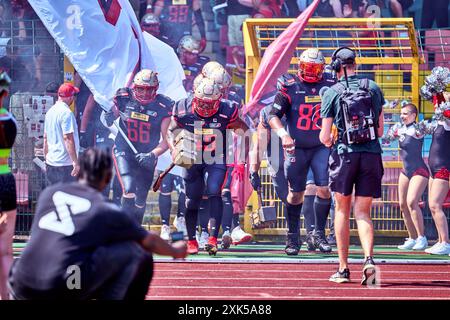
(286, 80)
(165, 101)
(203, 59)
(228, 108)
(181, 108)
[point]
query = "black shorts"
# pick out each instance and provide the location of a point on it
(361, 170)
(8, 192)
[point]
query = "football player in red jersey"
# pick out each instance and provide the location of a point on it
(298, 99)
(208, 116)
(144, 118)
(176, 20)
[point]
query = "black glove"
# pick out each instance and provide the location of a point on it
(84, 140)
(109, 118)
(255, 180)
(146, 160)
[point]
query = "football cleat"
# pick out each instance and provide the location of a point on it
(211, 246)
(192, 247)
(226, 240)
(239, 236)
(292, 245)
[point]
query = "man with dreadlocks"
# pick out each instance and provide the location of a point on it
(83, 247)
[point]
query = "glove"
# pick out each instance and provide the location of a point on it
(146, 160)
(109, 118)
(84, 140)
(255, 180)
(202, 44)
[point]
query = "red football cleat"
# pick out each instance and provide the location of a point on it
(211, 246)
(192, 247)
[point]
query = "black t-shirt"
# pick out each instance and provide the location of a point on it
(234, 8)
(71, 222)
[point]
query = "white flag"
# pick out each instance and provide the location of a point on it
(103, 41)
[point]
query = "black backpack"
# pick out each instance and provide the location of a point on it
(358, 114)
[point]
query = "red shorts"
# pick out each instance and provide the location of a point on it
(442, 173)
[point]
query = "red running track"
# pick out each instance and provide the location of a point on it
(213, 281)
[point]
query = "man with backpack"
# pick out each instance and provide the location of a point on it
(356, 108)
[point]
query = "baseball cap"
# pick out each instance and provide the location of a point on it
(346, 55)
(67, 89)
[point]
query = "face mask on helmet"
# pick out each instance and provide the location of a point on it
(206, 99)
(311, 65)
(310, 72)
(150, 23)
(145, 86)
(188, 58)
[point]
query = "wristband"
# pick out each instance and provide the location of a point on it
(281, 132)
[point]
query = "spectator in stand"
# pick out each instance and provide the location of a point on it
(436, 10)
(266, 8)
(15, 66)
(333, 9)
(237, 12)
(61, 142)
(289, 8)
(176, 20)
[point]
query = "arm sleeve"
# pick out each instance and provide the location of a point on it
(279, 106)
(122, 228)
(68, 124)
(200, 22)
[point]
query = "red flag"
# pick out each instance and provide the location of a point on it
(275, 62)
(240, 187)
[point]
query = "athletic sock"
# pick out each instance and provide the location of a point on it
(181, 204)
(191, 221)
(165, 204)
(203, 215)
(236, 222)
(293, 217)
(216, 214)
(227, 217)
(321, 209)
(308, 213)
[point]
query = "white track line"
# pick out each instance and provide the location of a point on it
(290, 271)
(287, 298)
(300, 260)
(426, 281)
(172, 287)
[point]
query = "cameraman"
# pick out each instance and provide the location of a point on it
(355, 161)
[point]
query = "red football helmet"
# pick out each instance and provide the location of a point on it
(206, 99)
(150, 23)
(145, 85)
(311, 65)
(188, 50)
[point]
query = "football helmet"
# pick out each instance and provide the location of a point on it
(221, 77)
(209, 67)
(188, 50)
(151, 24)
(311, 65)
(196, 81)
(5, 82)
(206, 99)
(145, 85)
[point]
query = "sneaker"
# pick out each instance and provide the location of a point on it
(421, 243)
(369, 272)
(203, 239)
(192, 247)
(180, 224)
(310, 241)
(341, 276)
(331, 239)
(443, 248)
(226, 240)
(321, 243)
(165, 232)
(408, 244)
(432, 248)
(211, 246)
(292, 245)
(239, 236)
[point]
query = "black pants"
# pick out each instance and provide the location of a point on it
(120, 271)
(59, 174)
(435, 10)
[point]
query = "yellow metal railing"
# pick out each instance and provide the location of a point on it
(387, 52)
